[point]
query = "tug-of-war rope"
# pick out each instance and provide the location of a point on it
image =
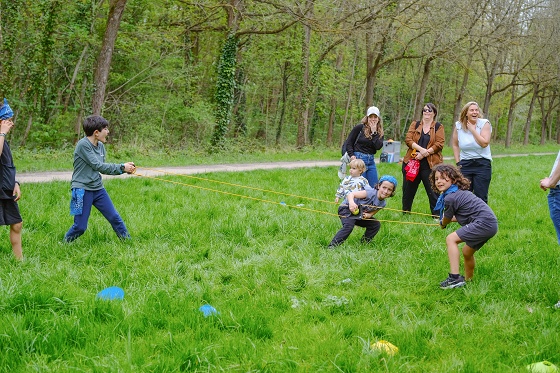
(136, 173)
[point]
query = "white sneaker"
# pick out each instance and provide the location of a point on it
(557, 305)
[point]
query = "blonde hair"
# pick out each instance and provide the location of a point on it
(359, 164)
(464, 111)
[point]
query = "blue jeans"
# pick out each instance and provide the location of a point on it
(554, 207)
(371, 170)
(100, 199)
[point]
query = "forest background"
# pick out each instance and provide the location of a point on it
(240, 75)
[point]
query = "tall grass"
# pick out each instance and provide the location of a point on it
(285, 303)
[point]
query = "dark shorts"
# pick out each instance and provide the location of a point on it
(9, 212)
(478, 233)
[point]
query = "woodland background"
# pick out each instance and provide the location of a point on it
(240, 75)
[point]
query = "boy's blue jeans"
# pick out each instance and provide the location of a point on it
(554, 207)
(101, 200)
(371, 170)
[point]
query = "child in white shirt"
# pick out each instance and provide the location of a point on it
(355, 182)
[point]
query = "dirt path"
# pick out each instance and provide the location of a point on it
(40, 177)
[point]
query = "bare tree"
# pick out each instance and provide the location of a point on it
(101, 73)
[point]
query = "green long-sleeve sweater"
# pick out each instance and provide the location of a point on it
(89, 164)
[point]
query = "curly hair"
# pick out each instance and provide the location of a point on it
(449, 172)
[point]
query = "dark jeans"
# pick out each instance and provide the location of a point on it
(100, 199)
(372, 227)
(479, 172)
(411, 187)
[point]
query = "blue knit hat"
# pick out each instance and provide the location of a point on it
(6, 111)
(388, 178)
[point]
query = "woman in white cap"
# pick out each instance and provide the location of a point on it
(365, 140)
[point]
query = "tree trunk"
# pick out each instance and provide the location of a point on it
(491, 76)
(530, 114)
(459, 98)
(349, 96)
(373, 64)
(240, 99)
(419, 104)
(509, 129)
(284, 100)
(544, 118)
(73, 80)
(303, 125)
(78, 126)
(333, 101)
(29, 124)
(101, 73)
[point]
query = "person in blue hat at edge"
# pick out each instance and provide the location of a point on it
(359, 207)
(10, 192)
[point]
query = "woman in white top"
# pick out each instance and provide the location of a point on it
(471, 148)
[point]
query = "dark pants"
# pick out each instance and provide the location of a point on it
(479, 172)
(100, 199)
(410, 188)
(372, 226)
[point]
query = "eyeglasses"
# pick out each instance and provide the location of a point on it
(428, 110)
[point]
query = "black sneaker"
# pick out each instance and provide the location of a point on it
(451, 282)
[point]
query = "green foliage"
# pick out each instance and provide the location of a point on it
(172, 60)
(225, 86)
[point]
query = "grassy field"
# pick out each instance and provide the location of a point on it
(285, 302)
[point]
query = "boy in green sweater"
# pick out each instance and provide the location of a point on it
(87, 184)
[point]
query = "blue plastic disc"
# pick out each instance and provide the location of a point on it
(208, 310)
(111, 293)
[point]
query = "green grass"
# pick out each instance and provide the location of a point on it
(286, 304)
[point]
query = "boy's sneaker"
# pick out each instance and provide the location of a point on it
(451, 282)
(557, 305)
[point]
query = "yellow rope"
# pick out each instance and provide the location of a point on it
(239, 185)
(262, 200)
(269, 191)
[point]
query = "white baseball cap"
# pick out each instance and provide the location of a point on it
(373, 110)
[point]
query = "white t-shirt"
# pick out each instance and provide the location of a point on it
(470, 149)
(554, 167)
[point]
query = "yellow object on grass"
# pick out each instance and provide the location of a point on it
(384, 346)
